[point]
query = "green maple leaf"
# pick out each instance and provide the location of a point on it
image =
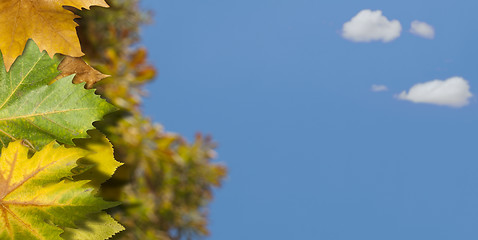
(40, 113)
(37, 201)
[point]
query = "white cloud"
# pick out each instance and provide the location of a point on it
(453, 92)
(422, 29)
(379, 88)
(370, 25)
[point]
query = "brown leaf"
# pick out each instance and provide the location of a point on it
(84, 72)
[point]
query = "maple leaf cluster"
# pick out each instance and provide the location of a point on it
(49, 183)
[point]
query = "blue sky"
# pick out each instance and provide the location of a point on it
(313, 153)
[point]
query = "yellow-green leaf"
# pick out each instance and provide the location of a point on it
(100, 164)
(98, 167)
(36, 202)
(99, 227)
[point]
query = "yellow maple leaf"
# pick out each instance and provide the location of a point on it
(45, 21)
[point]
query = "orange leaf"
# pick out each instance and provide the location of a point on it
(45, 21)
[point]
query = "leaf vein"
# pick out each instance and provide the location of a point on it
(43, 114)
(21, 81)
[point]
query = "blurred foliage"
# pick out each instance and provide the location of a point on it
(165, 183)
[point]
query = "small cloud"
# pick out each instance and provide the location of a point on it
(453, 92)
(379, 88)
(369, 26)
(422, 29)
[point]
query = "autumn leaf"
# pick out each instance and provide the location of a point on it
(84, 73)
(33, 110)
(98, 167)
(45, 21)
(36, 198)
(98, 227)
(100, 164)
